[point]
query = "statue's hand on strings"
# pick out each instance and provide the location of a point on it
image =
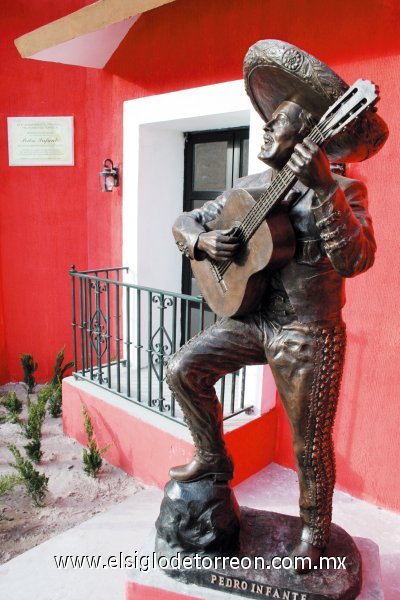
(221, 244)
(310, 164)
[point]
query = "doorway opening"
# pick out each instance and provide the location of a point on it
(213, 161)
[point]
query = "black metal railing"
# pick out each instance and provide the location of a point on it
(124, 335)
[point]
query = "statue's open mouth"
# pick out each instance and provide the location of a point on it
(268, 139)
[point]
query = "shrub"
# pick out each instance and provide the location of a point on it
(44, 395)
(34, 450)
(7, 482)
(55, 398)
(29, 367)
(33, 426)
(34, 482)
(55, 401)
(59, 370)
(13, 406)
(92, 457)
(36, 415)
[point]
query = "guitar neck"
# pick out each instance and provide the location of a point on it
(346, 109)
(278, 189)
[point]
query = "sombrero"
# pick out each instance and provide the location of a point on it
(275, 71)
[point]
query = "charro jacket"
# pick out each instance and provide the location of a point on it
(334, 240)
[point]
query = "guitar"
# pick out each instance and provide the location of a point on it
(234, 288)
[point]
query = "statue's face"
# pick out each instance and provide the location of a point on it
(282, 133)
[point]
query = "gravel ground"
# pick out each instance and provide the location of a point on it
(72, 495)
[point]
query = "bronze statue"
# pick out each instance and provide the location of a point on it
(297, 328)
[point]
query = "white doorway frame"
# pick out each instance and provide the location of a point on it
(153, 164)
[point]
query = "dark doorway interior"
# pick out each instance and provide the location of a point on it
(213, 161)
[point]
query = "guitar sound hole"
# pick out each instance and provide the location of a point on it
(241, 257)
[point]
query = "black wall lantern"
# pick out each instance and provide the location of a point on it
(109, 177)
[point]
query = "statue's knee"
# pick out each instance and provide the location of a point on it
(177, 371)
(172, 372)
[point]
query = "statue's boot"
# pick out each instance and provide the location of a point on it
(308, 554)
(219, 467)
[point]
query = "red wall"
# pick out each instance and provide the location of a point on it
(55, 216)
(51, 217)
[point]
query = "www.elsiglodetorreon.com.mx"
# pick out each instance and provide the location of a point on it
(147, 562)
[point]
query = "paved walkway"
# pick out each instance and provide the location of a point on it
(126, 527)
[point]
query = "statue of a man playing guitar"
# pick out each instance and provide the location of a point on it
(297, 328)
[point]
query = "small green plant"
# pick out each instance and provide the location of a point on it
(33, 426)
(44, 395)
(59, 370)
(13, 406)
(55, 398)
(34, 482)
(34, 450)
(36, 414)
(55, 401)
(92, 456)
(29, 367)
(8, 482)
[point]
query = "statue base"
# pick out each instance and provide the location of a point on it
(266, 535)
(199, 516)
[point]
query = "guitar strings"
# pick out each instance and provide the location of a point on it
(264, 204)
(283, 183)
(278, 187)
(255, 217)
(258, 213)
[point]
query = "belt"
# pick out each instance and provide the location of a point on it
(277, 304)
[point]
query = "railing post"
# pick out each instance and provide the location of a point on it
(72, 273)
(149, 348)
(98, 331)
(201, 314)
(108, 335)
(173, 347)
(81, 325)
(86, 323)
(243, 387)
(222, 395)
(117, 334)
(233, 392)
(90, 331)
(128, 342)
(187, 322)
(138, 347)
(161, 355)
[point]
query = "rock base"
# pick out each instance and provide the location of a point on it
(200, 516)
(266, 535)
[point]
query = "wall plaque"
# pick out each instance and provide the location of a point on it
(40, 141)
